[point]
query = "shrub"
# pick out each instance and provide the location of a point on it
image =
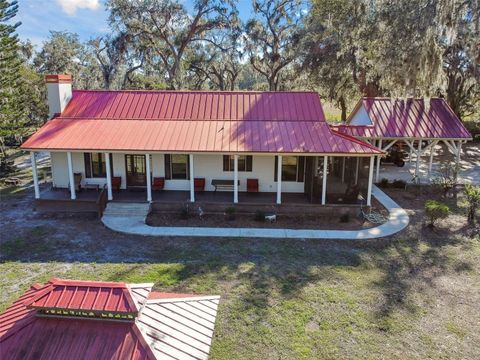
(472, 195)
(383, 183)
(230, 213)
(399, 184)
(436, 210)
(447, 178)
(259, 216)
(345, 218)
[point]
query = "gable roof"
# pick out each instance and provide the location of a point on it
(411, 118)
(27, 333)
(196, 121)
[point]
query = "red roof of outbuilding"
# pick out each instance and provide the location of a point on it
(411, 118)
(162, 329)
(179, 121)
(84, 295)
(26, 335)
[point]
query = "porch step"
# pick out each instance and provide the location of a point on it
(119, 209)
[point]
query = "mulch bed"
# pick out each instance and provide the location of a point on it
(248, 221)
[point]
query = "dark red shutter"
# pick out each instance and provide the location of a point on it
(87, 161)
(300, 168)
(188, 167)
(168, 169)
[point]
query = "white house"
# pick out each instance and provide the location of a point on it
(196, 143)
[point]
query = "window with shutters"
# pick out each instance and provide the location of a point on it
(244, 163)
(95, 166)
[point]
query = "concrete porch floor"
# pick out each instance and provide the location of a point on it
(168, 196)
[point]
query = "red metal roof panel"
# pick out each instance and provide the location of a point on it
(84, 295)
(181, 136)
(27, 334)
(193, 122)
(411, 118)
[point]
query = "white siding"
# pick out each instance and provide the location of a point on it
(205, 166)
(361, 117)
(59, 169)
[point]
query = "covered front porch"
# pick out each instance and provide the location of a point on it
(280, 179)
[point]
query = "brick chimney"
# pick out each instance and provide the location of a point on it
(59, 93)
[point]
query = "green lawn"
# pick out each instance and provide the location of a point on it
(416, 295)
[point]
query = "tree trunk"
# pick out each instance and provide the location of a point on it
(343, 106)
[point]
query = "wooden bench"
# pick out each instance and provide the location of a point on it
(92, 186)
(12, 181)
(226, 185)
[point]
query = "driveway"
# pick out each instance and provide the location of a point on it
(469, 165)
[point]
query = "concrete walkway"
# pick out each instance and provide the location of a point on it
(398, 220)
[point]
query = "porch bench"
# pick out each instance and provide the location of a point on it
(226, 185)
(12, 181)
(91, 186)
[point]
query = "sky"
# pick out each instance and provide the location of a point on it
(87, 18)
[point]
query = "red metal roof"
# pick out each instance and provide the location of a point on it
(194, 105)
(278, 122)
(411, 118)
(25, 335)
(85, 295)
(159, 331)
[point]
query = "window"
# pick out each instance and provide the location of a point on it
(176, 166)
(293, 168)
(95, 166)
(244, 163)
(289, 168)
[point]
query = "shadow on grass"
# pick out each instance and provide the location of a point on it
(263, 270)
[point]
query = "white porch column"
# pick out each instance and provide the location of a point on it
(324, 184)
(192, 179)
(279, 179)
(417, 164)
(457, 159)
(377, 175)
(430, 160)
(149, 177)
(235, 179)
(71, 178)
(343, 169)
(370, 181)
(109, 176)
(35, 175)
(356, 171)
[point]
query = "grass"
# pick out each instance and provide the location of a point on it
(415, 295)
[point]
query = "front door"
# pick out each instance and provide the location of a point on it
(136, 170)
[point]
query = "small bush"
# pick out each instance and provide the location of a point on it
(472, 195)
(399, 184)
(230, 213)
(259, 216)
(447, 179)
(345, 218)
(436, 210)
(383, 183)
